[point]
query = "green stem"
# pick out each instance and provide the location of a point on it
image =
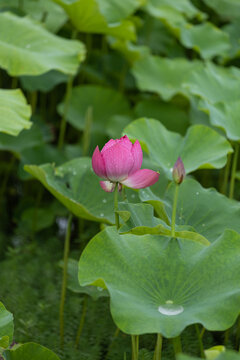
(177, 345)
(82, 319)
(238, 334)
(158, 348)
(233, 172)
(6, 176)
(226, 175)
(87, 130)
(65, 111)
(116, 206)
(135, 346)
(174, 210)
(200, 341)
(33, 101)
(64, 278)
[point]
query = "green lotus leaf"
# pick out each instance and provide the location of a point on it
(15, 113)
(205, 210)
(228, 9)
(225, 355)
(164, 76)
(6, 323)
(31, 351)
(102, 16)
(214, 83)
(130, 51)
(233, 30)
(161, 285)
(73, 283)
(194, 37)
(45, 82)
(171, 116)
(202, 147)
(35, 50)
(139, 219)
(104, 103)
(225, 116)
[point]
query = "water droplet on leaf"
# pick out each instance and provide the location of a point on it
(170, 309)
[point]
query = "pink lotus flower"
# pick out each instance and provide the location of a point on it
(119, 162)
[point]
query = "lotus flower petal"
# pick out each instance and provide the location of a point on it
(141, 179)
(118, 161)
(98, 164)
(137, 156)
(107, 186)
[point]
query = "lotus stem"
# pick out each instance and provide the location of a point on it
(65, 111)
(116, 206)
(174, 210)
(177, 345)
(82, 320)
(87, 130)
(158, 348)
(226, 175)
(233, 173)
(135, 346)
(64, 279)
(199, 336)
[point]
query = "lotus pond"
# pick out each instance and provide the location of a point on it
(120, 179)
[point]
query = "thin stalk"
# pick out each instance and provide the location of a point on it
(87, 130)
(64, 279)
(226, 336)
(6, 176)
(177, 345)
(226, 175)
(82, 320)
(158, 348)
(174, 210)
(200, 341)
(63, 124)
(233, 172)
(115, 335)
(238, 334)
(135, 346)
(116, 206)
(33, 101)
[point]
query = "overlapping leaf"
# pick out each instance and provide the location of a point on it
(35, 51)
(207, 211)
(226, 355)
(6, 323)
(31, 351)
(161, 285)
(201, 147)
(15, 113)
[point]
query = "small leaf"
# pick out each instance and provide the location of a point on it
(31, 351)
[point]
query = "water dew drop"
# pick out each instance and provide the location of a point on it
(197, 193)
(203, 225)
(99, 288)
(104, 201)
(170, 309)
(102, 214)
(74, 173)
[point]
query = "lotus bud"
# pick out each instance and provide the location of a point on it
(178, 172)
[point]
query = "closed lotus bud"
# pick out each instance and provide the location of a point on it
(178, 172)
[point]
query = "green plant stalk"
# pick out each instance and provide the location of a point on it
(6, 177)
(87, 130)
(174, 210)
(135, 346)
(200, 341)
(226, 336)
(82, 320)
(116, 206)
(64, 279)
(158, 348)
(233, 172)
(65, 111)
(238, 335)
(33, 100)
(226, 175)
(177, 345)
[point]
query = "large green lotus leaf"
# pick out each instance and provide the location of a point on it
(130, 51)
(161, 285)
(225, 355)
(233, 31)
(214, 83)
(74, 286)
(47, 11)
(171, 116)
(35, 50)
(139, 219)
(31, 351)
(163, 76)
(104, 103)
(194, 37)
(173, 13)
(202, 147)
(229, 9)
(95, 16)
(45, 82)
(6, 323)
(206, 210)
(226, 116)
(77, 188)
(15, 113)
